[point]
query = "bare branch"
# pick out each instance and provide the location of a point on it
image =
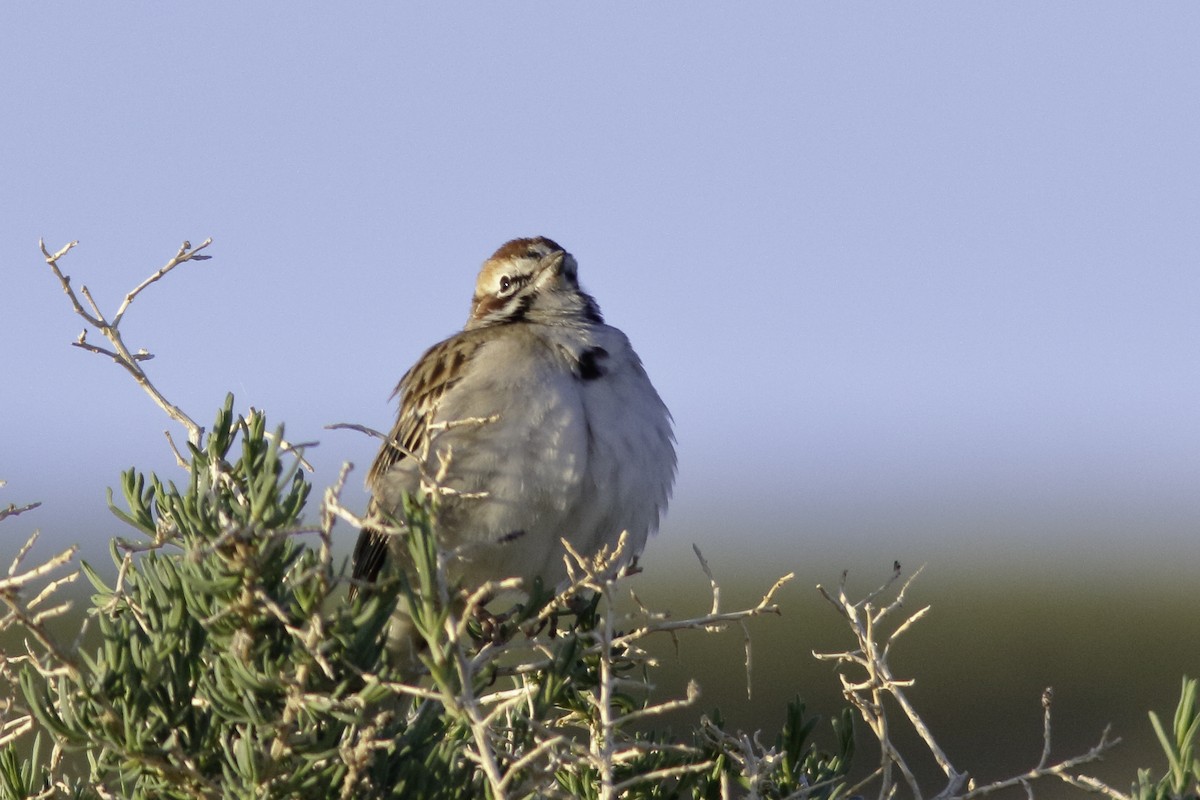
(712, 582)
(1062, 771)
(13, 510)
(186, 253)
(33, 622)
(179, 459)
(1047, 701)
(350, 426)
(868, 694)
(120, 353)
(52, 260)
(17, 581)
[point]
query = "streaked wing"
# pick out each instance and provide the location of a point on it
(369, 555)
(420, 391)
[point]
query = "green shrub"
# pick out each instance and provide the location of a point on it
(231, 664)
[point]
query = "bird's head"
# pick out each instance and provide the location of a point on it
(533, 280)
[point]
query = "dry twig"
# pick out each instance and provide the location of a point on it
(867, 695)
(120, 353)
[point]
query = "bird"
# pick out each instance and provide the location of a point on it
(544, 426)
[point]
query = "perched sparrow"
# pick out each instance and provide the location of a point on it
(550, 426)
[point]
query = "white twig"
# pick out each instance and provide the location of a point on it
(120, 353)
(1062, 771)
(867, 696)
(186, 253)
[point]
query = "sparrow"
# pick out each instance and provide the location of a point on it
(538, 424)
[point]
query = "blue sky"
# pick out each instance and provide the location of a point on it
(917, 281)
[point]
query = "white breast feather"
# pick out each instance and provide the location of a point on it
(566, 458)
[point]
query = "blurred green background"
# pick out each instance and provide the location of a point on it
(1114, 643)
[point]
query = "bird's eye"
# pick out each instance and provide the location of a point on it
(505, 283)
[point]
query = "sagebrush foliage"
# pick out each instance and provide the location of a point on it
(231, 664)
(1181, 746)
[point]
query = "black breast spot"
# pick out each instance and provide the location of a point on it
(591, 364)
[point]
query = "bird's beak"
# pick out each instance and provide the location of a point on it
(562, 265)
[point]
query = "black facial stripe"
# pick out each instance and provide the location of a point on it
(517, 282)
(515, 312)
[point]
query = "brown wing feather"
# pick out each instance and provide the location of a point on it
(420, 391)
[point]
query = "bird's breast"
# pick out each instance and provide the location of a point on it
(534, 452)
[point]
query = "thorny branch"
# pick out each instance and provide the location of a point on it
(867, 695)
